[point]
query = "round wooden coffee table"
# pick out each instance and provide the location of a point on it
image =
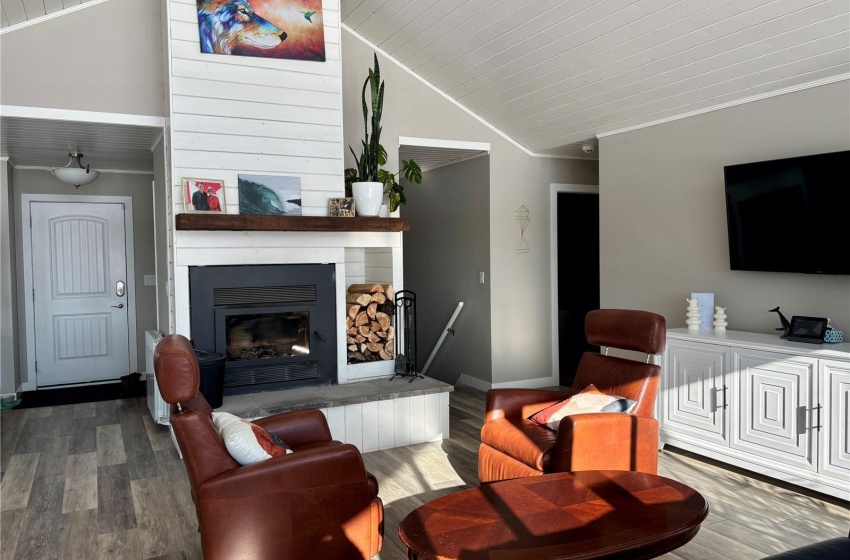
(590, 514)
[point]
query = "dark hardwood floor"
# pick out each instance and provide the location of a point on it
(101, 480)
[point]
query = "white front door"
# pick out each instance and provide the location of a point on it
(79, 292)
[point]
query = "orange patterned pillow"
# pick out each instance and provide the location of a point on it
(589, 400)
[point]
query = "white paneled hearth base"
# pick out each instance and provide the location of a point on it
(372, 415)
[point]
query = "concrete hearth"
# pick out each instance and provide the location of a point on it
(376, 414)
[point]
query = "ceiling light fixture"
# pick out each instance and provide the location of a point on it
(78, 175)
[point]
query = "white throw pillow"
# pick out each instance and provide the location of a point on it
(242, 440)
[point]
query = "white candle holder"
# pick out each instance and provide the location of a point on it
(693, 314)
(720, 323)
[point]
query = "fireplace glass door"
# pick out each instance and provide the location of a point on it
(261, 336)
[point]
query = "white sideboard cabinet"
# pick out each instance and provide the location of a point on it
(761, 403)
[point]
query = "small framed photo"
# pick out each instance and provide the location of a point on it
(341, 207)
(203, 195)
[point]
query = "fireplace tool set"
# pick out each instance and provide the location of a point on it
(405, 336)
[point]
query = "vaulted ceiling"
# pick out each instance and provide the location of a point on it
(13, 12)
(553, 73)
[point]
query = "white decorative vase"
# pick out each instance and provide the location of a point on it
(368, 196)
(693, 314)
(720, 319)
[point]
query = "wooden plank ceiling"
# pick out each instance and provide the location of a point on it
(431, 158)
(552, 73)
(44, 142)
(13, 12)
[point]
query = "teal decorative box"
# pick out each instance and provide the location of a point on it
(833, 336)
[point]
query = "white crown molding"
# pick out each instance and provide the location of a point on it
(759, 97)
(123, 171)
(440, 143)
(433, 88)
(54, 15)
(82, 116)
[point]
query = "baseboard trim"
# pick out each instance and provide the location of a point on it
(9, 397)
(476, 383)
(473, 382)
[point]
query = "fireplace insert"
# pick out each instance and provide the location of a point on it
(275, 323)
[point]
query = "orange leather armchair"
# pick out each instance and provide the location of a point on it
(317, 502)
(513, 446)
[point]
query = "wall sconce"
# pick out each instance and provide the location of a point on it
(78, 175)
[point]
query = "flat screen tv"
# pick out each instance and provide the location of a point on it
(790, 215)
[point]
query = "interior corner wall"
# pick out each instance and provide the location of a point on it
(136, 185)
(10, 372)
(161, 201)
(520, 334)
(448, 245)
(663, 215)
(106, 58)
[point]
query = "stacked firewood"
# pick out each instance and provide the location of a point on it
(368, 322)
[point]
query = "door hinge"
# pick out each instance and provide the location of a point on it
(30, 222)
(33, 294)
(36, 366)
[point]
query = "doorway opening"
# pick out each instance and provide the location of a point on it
(575, 269)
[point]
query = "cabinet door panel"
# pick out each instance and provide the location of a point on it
(694, 400)
(773, 407)
(835, 420)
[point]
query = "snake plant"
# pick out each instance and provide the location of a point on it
(374, 155)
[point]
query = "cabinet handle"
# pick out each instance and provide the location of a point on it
(818, 408)
(725, 402)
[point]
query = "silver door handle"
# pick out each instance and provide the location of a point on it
(119, 288)
(119, 306)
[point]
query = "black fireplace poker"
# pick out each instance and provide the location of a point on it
(405, 336)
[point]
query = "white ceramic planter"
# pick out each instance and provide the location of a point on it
(368, 196)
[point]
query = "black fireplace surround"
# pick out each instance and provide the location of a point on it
(275, 323)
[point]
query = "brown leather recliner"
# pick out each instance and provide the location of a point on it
(317, 502)
(512, 446)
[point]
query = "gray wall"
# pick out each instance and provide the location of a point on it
(663, 215)
(447, 246)
(10, 373)
(521, 335)
(106, 58)
(31, 181)
(161, 203)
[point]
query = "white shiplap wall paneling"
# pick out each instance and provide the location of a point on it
(354, 427)
(369, 411)
(237, 115)
(401, 421)
(379, 265)
(355, 266)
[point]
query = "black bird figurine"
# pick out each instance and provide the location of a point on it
(785, 322)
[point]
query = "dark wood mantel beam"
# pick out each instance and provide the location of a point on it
(238, 222)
